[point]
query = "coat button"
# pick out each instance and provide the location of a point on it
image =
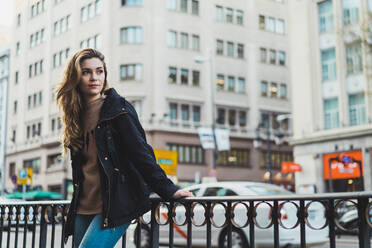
(105, 158)
(109, 137)
(98, 126)
(122, 109)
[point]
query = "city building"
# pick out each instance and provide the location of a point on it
(332, 103)
(163, 56)
(4, 79)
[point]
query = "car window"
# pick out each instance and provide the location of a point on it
(218, 191)
(269, 190)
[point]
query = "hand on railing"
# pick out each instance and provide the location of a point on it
(182, 193)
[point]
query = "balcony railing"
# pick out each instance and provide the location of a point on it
(214, 221)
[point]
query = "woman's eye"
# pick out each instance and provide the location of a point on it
(85, 72)
(99, 71)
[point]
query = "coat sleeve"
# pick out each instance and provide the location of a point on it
(142, 155)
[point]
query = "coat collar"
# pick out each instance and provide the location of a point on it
(113, 105)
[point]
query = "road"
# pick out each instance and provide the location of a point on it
(341, 241)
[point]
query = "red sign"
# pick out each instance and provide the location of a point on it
(288, 167)
(343, 165)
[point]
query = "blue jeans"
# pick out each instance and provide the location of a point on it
(88, 232)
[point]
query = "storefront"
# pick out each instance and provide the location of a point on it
(343, 171)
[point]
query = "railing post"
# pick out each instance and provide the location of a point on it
(364, 233)
(302, 216)
(275, 216)
(209, 225)
(229, 225)
(251, 215)
(154, 238)
(189, 224)
(43, 228)
(331, 220)
(171, 223)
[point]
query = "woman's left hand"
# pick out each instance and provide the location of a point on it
(182, 193)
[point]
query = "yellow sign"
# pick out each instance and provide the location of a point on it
(24, 176)
(167, 161)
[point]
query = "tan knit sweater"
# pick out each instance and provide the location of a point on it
(90, 201)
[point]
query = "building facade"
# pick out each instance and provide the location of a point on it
(332, 103)
(4, 79)
(153, 51)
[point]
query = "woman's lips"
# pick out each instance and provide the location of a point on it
(94, 85)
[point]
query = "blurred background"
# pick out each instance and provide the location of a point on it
(275, 91)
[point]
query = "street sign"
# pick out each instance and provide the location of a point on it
(288, 167)
(24, 176)
(167, 161)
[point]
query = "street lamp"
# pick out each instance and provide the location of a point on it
(202, 60)
(279, 135)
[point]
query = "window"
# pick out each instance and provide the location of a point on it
(195, 7)
(272, 56)
(221, 116)
(242, 118)
(350, 12)
(264, 88)
(184, 41)
(97, 6)
(131, 35)
(229, 15)
(240, 51)
(172, 76)
(283, 91)
(188, 154)
(280, 26)
(220, 82)
(34, 164)
(185, 113)
(172, 38)
(328, 58)
(195, 42)
(19, 20)
(183, 5)
(196, 113)
(271, 24)
(331, 117)
(241, 85)
(83, 15)
(357, 109)
(277, 157)
(265, 120)
(16, 77)
(173, 111)
(131, 2)
(231, 83)
(219, 13)
(261, 22)
(172, 4)
(17, 48)
(239, 17)
(15, 105)
(263, 55)
(195, 78)
(233, 157)
(354, 59)
(131, 72)
(232, 117)
(12, 169)
(219, 47)
(137, 104)
(281, 57)
(184, 76)
(230, 49)
(325, 12)
(274, 89)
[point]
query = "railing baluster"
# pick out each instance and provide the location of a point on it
(301, 216)
(9, 226)
(54, 207)
(209, 225)
(25, 226)
(138, 234)
(276, 224)
(171, 223)
(364, 234)
(35, 213)
(229, 224)
(189, 224)
(251, 224)
(43, 228)
(124, 240)
(1, 225)
(331, 215)
(17, 226)
(63, 225)
(154, 227)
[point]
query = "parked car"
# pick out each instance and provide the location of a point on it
(240, 236)
(349, 221)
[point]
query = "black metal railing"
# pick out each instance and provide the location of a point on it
(209, 221)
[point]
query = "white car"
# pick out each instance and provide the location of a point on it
(240, 236)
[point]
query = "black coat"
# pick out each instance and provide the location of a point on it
(127, 164)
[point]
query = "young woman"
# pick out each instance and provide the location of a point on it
(113, 166)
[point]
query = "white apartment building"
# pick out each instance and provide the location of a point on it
(4, 79)
(152, 49)
(332, 103)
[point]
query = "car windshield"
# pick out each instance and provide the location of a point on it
(268, 190)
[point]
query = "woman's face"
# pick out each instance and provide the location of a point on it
(92, 78)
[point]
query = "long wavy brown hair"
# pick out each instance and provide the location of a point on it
(70, 99)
